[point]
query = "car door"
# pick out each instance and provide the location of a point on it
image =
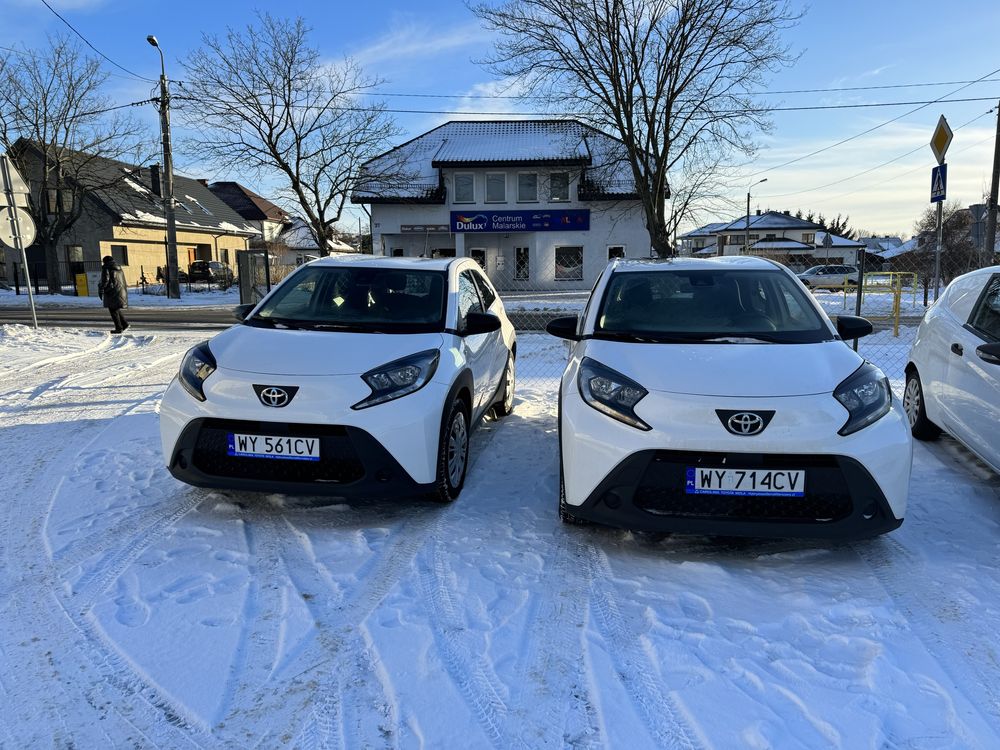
(498, 350)
(477, 349)
(973, 385)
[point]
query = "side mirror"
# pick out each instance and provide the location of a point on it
(564, 328)
(240, 312)
(476, 323)
(989, 353)
(850, 327)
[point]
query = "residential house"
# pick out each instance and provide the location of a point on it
(126, 220)
(700, 241)
(257, 211)
(296, 244)
(539, 204)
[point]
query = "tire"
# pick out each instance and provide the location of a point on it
(453, 454)
(505, 406)
(913, 404)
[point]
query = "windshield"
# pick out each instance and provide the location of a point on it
(813, 270)
(723, 306)
(349, 298)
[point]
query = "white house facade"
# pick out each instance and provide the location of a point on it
(540, 204)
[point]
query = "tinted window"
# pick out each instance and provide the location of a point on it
(707, 304)
(485, 292)
(345, 297)
(986, 316)
(468, 298)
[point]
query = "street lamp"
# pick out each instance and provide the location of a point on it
(167, 185)
(746, 237)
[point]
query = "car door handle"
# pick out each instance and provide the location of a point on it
(957, 349)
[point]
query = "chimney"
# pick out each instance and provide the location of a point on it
(758, 212)
(203, 182)
(787, 213)
(154, 178)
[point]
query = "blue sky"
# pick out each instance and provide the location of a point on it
(430, 47)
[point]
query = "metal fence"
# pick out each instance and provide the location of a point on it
(257, 272)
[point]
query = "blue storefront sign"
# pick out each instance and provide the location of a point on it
(569, 219)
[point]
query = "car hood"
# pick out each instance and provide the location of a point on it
(748, 370)
(269, 351)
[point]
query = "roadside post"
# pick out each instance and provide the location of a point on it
(862, 252)
(18, 231)
(939, 188)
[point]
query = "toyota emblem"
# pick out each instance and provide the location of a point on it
(275, 396)
(744, 423)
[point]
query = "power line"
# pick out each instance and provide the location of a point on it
(33, 56)
(871, 169)
(87, 42)
(776, 92)
(923, 105)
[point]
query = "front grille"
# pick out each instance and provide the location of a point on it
(339, 461)
(660, 490)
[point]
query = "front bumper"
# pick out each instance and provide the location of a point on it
(353, 463)
(646, 492)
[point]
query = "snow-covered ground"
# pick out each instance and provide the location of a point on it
(138, 612)
(200, 295)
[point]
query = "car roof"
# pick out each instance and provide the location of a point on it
(741, 262)
(382, 261)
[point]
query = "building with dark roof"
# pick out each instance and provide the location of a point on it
(257, 211)
(539, 203)
(124, 218)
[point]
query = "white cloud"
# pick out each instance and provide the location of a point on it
(416, 41)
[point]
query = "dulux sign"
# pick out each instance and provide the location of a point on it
(570, 219)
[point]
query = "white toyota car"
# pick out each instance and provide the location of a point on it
(357, 375)
(715, 396)
(953, 375)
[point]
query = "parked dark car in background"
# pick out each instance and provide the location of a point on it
(212, 271)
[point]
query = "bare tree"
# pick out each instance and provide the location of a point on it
(56, 124)
(672, 78)
(264, 102)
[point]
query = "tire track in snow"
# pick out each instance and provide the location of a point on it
(882, 555)
(622, 637)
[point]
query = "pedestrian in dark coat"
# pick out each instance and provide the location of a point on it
(114, 292)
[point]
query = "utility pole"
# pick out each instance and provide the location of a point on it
(173, 283)
(991, 207)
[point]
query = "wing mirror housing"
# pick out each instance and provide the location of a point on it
(477, 322)
(989, 353)
(850, 327)
(564, 328)
(240, 312)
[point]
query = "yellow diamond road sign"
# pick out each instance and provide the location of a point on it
(941, 139)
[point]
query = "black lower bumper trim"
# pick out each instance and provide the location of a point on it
(352, 462)
(646, 492)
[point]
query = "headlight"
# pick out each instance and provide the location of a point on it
(866, 396)
(196, 366)
(611, 392)
(399, 378)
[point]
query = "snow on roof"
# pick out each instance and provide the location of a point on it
(705, 231)
(769, 220)
(837, 240)
(906, 247)
(411, 169)
(780, 244)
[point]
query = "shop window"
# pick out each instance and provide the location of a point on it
(616, 251)
(559, 187)
(522, 268)
(120, 254)
(465, 187)
(479, 256)
(496, 187)
(569, 263)
(397, 252)
(527, 187)
(443, 252)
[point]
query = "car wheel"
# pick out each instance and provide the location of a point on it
(453, 454)
(913, 404)
(506, 404)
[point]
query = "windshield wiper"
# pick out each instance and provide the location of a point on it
(647, 338)
(275, 322)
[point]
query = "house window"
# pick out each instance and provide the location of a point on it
(465, 187)
(478, 255)
(397, 252)
(120, 254)
(616, 251)
(770, 237)
(809, 238)
(522, 268)
(496, 187)
(559, 187)
(569, 263)
(224, 255)
(527, 187)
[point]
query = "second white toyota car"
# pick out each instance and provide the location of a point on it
(715, 396)
(356, 375)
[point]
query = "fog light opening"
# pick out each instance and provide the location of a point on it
(870, 511)
(383, 475)
(182, 461)
(612, 500)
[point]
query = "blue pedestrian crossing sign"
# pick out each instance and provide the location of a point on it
(939, 183)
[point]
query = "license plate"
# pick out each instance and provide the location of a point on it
(774, 482)
(273, 446)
